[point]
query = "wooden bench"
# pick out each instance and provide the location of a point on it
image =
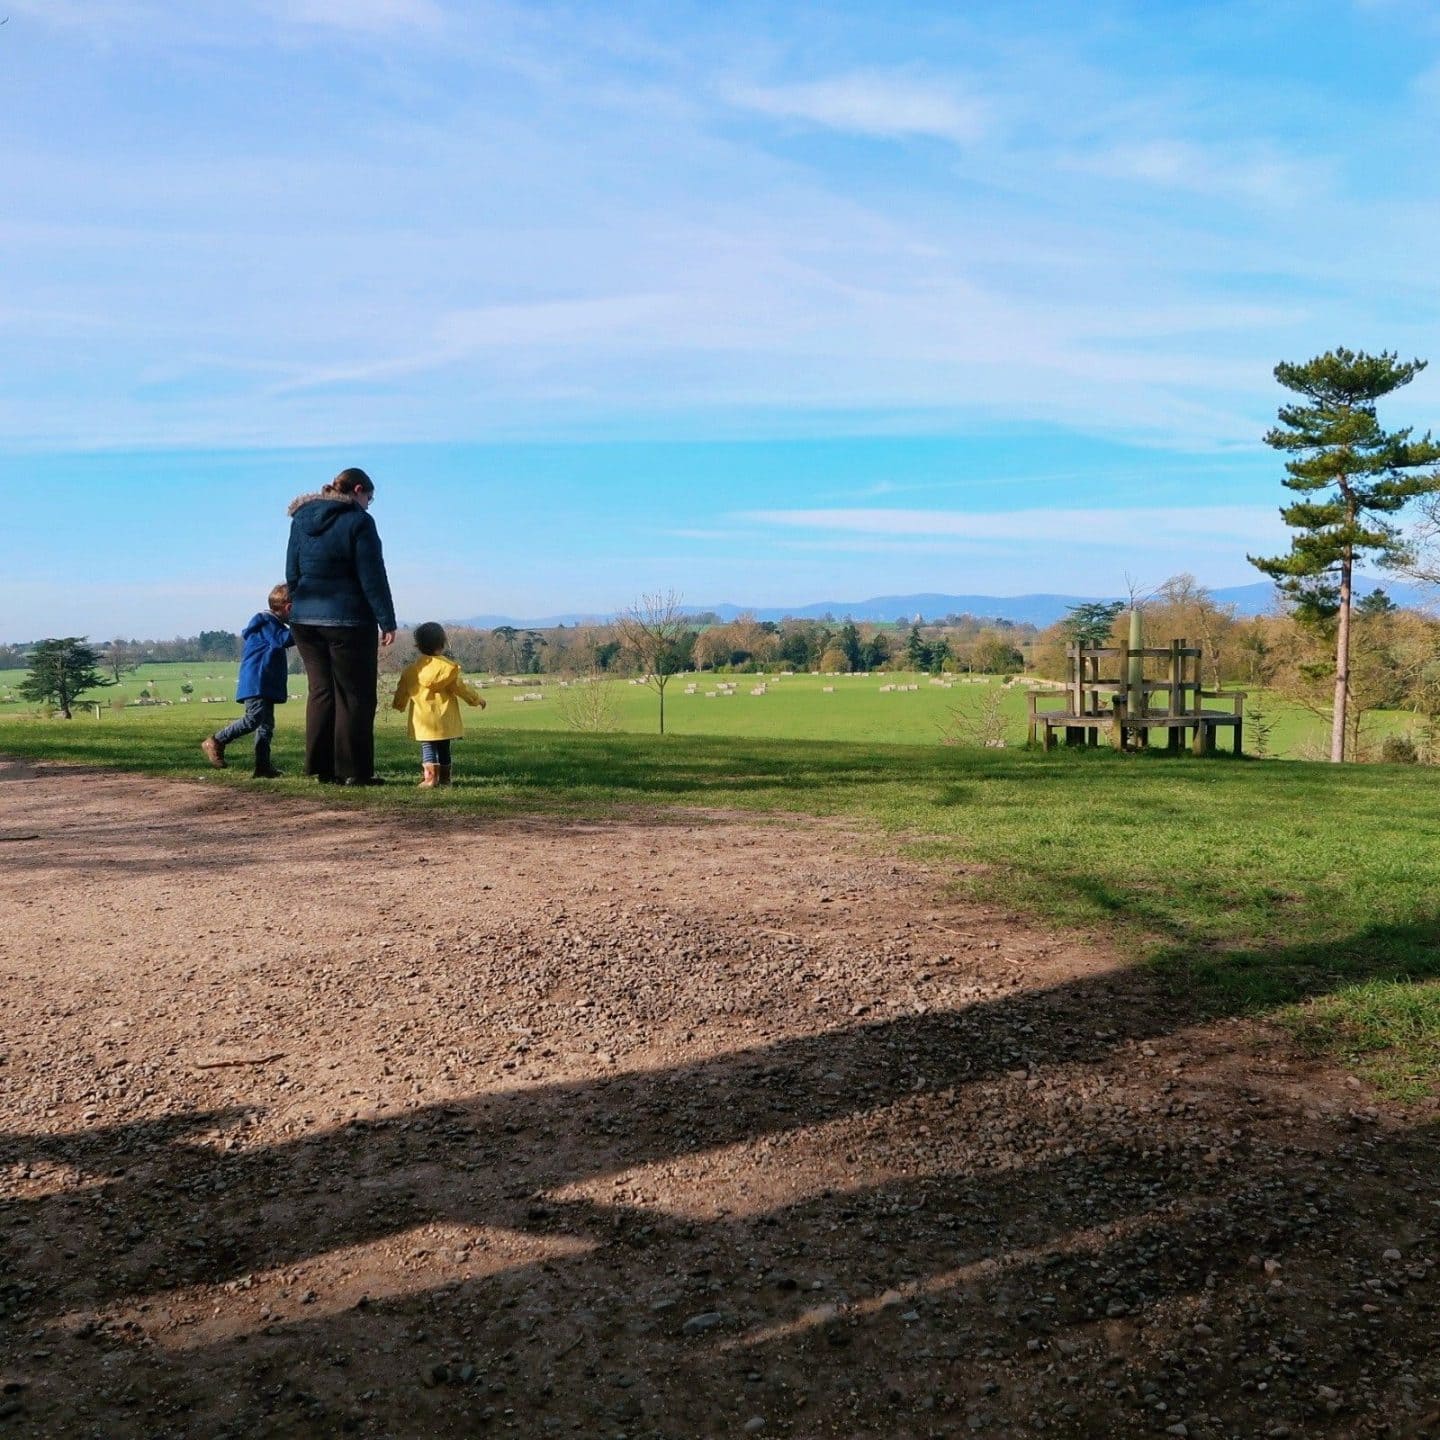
(1123, 706)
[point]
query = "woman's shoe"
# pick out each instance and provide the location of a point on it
(368, 780)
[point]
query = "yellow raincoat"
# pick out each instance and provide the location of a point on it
(433, 687)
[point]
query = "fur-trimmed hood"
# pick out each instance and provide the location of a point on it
(324, 510)
(334, 565)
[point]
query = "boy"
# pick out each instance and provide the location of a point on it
(431, 688)
(261, 686)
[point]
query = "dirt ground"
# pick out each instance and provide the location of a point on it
(320, 1122)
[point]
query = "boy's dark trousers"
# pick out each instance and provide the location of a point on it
(259, 716)
(342, 663)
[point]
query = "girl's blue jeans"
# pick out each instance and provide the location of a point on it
(435, 752)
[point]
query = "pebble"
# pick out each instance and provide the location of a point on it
(1099, 1140)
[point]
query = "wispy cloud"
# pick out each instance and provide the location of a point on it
(431, 235)
(1227, 528)
(362, 16)
(887, 105)
(463, 334)
(77, 14)
(1255, 176)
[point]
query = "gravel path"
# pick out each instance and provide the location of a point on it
(318, 1122)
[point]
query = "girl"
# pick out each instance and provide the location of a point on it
(432, 687)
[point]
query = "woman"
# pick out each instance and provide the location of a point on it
(339, 597)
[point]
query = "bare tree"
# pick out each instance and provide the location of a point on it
(988, 726)
(1420, 558)
(651, 629)
(120, 656)
(586, 697)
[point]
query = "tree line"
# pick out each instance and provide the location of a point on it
(1323, 646)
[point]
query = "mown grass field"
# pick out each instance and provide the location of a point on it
(799, 707)
(1301, 890)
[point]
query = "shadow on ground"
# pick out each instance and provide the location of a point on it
(1051, 1239)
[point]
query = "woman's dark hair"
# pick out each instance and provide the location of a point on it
(430, 638)
(347, 482)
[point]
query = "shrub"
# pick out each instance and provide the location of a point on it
(1399, 750)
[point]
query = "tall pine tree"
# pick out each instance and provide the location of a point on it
(1352, 477)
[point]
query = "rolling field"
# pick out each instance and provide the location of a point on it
(800, 707)
(1286, 888)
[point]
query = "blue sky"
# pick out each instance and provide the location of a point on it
(763, 303)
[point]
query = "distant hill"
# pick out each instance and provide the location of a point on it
(1042, 609)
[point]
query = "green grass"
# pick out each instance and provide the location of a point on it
(1251, 887)
(794, 708)
(1390, 1030)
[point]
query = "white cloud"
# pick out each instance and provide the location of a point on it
(1256, 176)
(364, 16)
(1204, 528)
(888, 105)
(78, 14)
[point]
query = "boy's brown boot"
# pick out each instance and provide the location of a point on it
(443, 779)
(429, 775)
(214, 751)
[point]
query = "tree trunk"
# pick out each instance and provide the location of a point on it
(1342, 663)
(662, 708)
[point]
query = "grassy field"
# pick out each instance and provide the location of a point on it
(1300, 890)
(799, 707)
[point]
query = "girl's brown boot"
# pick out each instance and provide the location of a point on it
(443, 779)
(430, 774)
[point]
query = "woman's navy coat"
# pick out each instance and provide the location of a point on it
(334, 565)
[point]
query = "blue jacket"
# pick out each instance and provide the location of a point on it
(262, 661)
(334, 566)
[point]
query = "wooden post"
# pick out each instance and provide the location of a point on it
(1135, 666)
(1030, 698)
(1175, 698)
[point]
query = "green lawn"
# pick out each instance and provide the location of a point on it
(799, 707)
(1304, 890)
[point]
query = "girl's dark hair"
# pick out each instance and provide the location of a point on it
(430, 638)
(347, 482)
